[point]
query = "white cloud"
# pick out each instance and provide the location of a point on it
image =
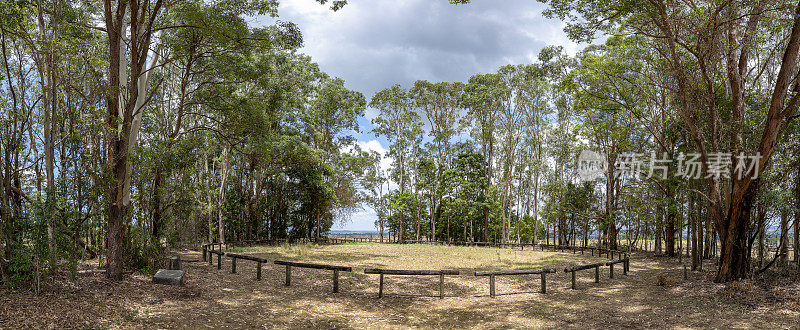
(360, 221)
(373, 44)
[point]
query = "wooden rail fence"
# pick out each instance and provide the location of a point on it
(589, 266)
(382, 272)
(492, 273)
(259, 261)
(611, 267)
(600, 251)
(335, 269)
(216, 249)
(211, 247)
(219, 258)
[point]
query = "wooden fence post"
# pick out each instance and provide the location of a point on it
(233, 265)
(491, 286)
(219, 261)
(335, 281)
(544, 283)
(380, 287)
(597, 274)
(573, 280)
(441, 286)
(258, 271)
(288, 275)
(204, 253)
(611, 271)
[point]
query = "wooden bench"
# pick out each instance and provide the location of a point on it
(493, 273)
(382, 272)
(589, 266)
(335, 269)
(260, 261)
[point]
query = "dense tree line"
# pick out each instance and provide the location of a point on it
(705, 93)
(130, 126)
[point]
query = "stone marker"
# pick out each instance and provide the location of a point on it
(169, 277)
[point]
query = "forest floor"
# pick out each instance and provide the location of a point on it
(652, 295)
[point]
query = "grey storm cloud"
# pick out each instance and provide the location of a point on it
(373, 44)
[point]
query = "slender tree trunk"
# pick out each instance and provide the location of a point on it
(222, 190)
(693, 231)
(796, 244)
(48, 76)
(535, 206)
(670, 221)
(783, 260)
(157, 221)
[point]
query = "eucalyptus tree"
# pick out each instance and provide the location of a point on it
(439, 103)
(466, 203)
(402, 127)
(533, 101)
(510, 122)
(48, 75)
(134, 31)
(330, 123)
(374, 180)
(754, 35)
(482, 98)
(603, 82)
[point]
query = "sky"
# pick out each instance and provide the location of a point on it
(374, 44)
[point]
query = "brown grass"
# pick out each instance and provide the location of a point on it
(217, 299)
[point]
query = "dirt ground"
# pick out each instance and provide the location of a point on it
(218, 299)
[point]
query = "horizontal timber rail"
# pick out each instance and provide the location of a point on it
(600, 251)
(219, 258)
(260, 262)
(382, 272)
(212, 247)
(493, 273)
(625, 263)
(583, 267)
(410, 272)
(335, 270)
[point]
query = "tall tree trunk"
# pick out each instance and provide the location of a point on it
(670, 221)
(535, 206)
(117, 143)
(221, 205)
(124, 101)
(693, 228)
(48, 76)
(157, 221)
(658, 233)
(734, 254)
(797, 218)
(783, 260)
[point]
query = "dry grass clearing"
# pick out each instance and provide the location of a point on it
(218, 299)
